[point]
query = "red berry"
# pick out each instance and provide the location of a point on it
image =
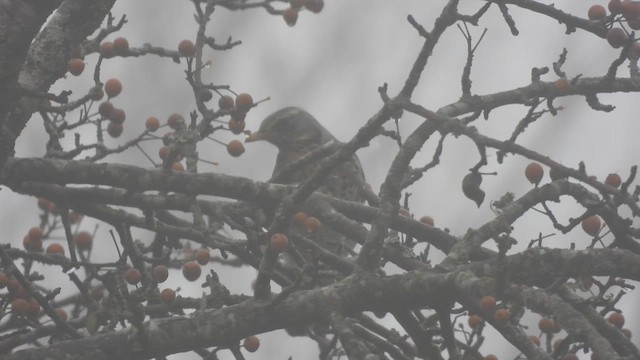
(235, 148)
(534, 173)
(631, 10)
(191, 271)
(547, 325)
(152, 124)
(114, 130)
(290, 16)
(562, 85)
(120, 46)
(160, 273)
(36, 233)
(112, 87)
(279, 242)
(300, 217)
(186, 48)
(427, 220)
(133, 276)
(597, 12)
(175, 121)
(167, 296)
(62, 314)
(19, 307)
(106, 49)
(616, 319)
(225, 102)
(105, 109)
(235, 126)
(312, 224)
(475, 321)
(315, 6)
(117, 116)
(55, 249)
(488, 302)
(615, 6)
(251, 343)
(83, 240)
(244, 102)
(177, 166)
(613, 180)
(75, 66)
(502, 316)
(591, 225)
(203, 256)
(617, 37)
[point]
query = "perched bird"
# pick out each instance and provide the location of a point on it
(297, 133)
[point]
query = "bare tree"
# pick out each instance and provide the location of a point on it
(394, 287)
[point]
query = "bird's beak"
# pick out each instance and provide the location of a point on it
(258, 135)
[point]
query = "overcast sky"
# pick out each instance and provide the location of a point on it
(332, 64)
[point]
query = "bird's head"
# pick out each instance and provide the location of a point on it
(290, 127)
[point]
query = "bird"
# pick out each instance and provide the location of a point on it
(296, 133)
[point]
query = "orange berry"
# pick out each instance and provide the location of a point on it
(35, 233)
(300, 217)
(19, 307)
(235, 148)
(62, 314)
(75, 66)
(315, 6)
(114, 130)
(490, 357)
(236, 126)
(117, 116)
(312, 224)
(290, 16)
(251, 343)
(186, 48)
(562, 85)
(120, 46)
(83, 240)
(616, 319)
(4, 280)
(502, 316)
(613, 180)
(106, 49)
(244, 102)
(177, 166)
(160, 273)
(152, 124)
(105, 109)
(225, 102)
(427, 220)
(175, 120)
(591, 225)
(133, 276)
(475, 321)
(597, 12)
(55, 249)
(279, 242)
(617, 37)
(191, 271)
(167, 296)
(203, 256)
(488, 302)
(163, 152)
(534, 173)
(112, 87)
(547, 325)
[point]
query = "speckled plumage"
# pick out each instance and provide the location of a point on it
(297, 133)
